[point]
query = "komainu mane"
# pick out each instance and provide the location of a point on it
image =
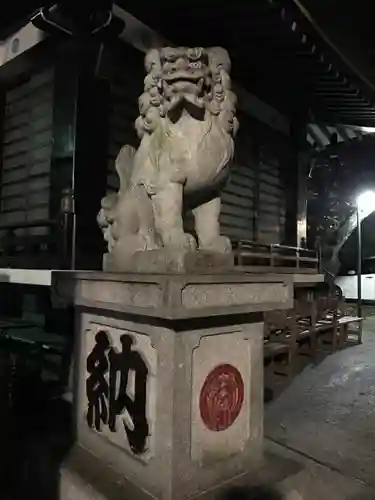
(186, 127)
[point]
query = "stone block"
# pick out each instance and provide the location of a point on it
(177, 296)
(169, 376)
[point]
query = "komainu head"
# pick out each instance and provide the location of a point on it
(194, 80)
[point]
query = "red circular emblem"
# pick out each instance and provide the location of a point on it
(221, 397)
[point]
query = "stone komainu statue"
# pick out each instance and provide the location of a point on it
(186, 126)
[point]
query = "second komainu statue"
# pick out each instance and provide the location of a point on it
(186, 126)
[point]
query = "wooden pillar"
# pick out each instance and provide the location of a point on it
(90, 160)
(79, 159)
(296, 174)
(62, 158)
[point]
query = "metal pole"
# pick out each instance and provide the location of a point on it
(359, 265)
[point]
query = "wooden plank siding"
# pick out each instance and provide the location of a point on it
(26, 152)
(253, 204)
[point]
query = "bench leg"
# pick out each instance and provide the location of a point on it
(292, 360)
(334, 338)
(269, 382)
(314, 346)
(360, 333)
(344, 334)
(286, 372)
(341, 336)
(273, 375)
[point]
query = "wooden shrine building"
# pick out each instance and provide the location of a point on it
(68, 102)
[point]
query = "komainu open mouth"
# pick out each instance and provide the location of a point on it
(183, 76)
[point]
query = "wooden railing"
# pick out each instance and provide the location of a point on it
(51, 250)
(275, 258)
(34, 251)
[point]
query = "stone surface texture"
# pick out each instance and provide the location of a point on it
(323, 422)
(183, 328)
(327, 412)
(186, 126)
(177, 296)
(173, 260)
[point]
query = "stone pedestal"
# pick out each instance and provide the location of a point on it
(169, 377)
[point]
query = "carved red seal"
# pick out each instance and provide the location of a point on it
(221, 397)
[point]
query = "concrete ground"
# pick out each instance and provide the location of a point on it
(327, 415)
(367, 309)
(316, 481)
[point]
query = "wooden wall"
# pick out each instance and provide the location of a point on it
(254, 199)
(26, 152)
(50, 143)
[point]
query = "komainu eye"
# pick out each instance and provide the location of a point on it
(195, 53)
(195, 64)
(169, 54)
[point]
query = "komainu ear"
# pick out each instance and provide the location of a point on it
(152, 61)
(218, 58)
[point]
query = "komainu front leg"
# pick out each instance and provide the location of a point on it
(146, 229)
(207, 227)
(167, 206)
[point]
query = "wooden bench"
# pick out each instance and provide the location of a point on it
(26, 356)
(9, 325)
(331, 321)
(344, 324)
(310, 328)
(278, 343)
(326, 324)
(301, 331)
(287, 335)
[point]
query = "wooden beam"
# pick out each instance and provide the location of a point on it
(334, 47)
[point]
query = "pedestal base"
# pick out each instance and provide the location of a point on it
(84, 477)
(169, 261)
(169, 377)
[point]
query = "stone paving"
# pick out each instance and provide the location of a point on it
(328, 412)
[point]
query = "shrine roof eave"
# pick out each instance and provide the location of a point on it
(276, 53)
(17, 14)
